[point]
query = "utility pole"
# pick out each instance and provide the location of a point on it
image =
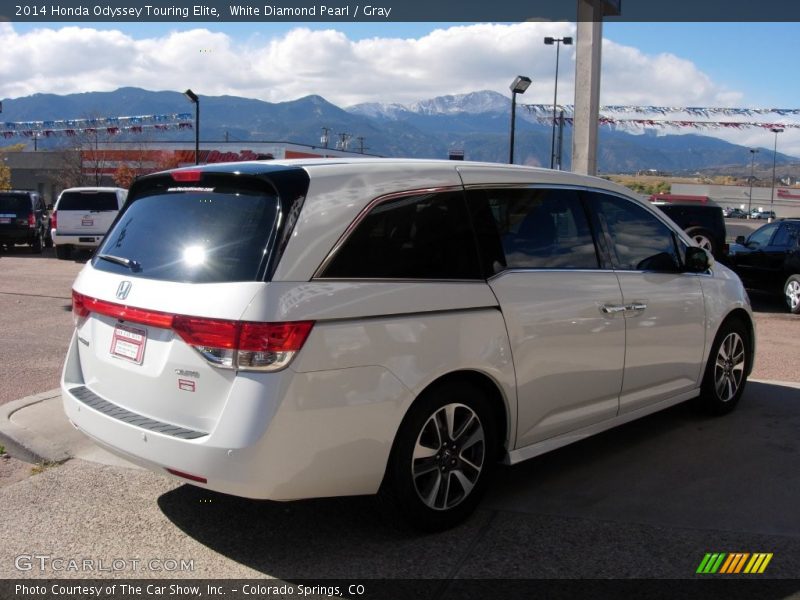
(361, 146)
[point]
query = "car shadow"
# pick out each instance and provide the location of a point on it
(767, 303)
(674, 469)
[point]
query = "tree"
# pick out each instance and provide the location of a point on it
(5, 171)
(5, 175)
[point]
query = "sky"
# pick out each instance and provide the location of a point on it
(743, 65)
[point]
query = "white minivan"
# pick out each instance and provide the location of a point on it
(82, 216)
(309, 328)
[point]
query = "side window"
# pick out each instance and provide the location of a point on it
(425, 236)
(532, 229)
(636, 239)
(786, 236)
(761, 237)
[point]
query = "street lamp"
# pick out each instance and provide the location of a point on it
(753, 152)
(195, 99)
(776, 131)
(549, 41)
(518, 86)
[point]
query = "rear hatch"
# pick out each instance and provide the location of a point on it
(15, 210)
(86, 212)
(158, 310)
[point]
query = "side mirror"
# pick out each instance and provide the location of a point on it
(740, 239)
(698, 260)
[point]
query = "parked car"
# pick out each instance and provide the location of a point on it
(82, 217)
(762, 214)
(735, 213)
(24, 220)
(769, 260)
(704, 222)
(311, 328)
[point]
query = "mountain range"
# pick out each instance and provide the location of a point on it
(476, 122)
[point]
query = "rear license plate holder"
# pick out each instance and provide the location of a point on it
(128, 343)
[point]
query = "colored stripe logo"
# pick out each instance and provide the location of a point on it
(734, 563)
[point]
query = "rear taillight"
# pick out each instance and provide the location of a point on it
(32, 221)
(79, 310)
(228, 344)
(54, 221)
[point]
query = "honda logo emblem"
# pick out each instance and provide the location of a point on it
(123, 290)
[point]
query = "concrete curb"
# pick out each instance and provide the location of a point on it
(23, 443)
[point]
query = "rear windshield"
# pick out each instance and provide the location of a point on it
(15, 203)
(192, 236)
(88, 201)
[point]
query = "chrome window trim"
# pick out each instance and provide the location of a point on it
(363, 214)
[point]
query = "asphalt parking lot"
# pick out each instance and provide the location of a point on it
(646, 500)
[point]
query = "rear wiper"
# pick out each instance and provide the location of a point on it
(119, 260)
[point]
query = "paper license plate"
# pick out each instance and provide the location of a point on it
(87, 222)
(128, 343)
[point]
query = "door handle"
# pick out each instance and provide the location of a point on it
(611, 309)
(636, 307)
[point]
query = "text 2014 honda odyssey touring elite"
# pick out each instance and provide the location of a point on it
(318, 328)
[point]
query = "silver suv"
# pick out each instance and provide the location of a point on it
(296, 329)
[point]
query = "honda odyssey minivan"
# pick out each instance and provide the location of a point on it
(331, 327)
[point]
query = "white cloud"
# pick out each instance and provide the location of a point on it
(302, 61)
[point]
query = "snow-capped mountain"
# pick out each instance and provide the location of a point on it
(473, 103)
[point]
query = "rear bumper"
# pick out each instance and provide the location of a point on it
(280, 436)
(80, 240)
(21, 235)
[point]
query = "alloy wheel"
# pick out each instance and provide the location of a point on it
(703, 242)
(729, 367)
(448, 457)
(793, 294)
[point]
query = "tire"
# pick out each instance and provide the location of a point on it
(435, 479)
(726, 372)
(63, 252)
(37, 245)
(704, 239)
(791, 292)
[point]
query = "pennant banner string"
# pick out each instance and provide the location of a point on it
(107, 130)
(677, 123)
(700, 111)
(95, 122)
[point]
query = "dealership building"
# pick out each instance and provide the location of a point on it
(49, 171)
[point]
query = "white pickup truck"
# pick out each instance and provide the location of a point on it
(82, 216)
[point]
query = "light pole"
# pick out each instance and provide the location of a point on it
(549, 41)
(776, 131)
(518, 86)
(753, 152)
(195, 99)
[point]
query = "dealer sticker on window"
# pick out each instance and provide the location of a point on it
(128, 343)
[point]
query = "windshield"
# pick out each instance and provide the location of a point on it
(192, 236)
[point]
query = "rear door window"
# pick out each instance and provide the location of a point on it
(193, 236)
(87, 201)
(424, 236)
